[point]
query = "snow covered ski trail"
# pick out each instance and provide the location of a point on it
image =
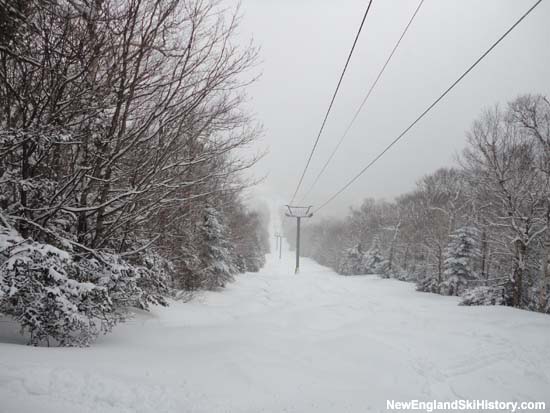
(279, 342)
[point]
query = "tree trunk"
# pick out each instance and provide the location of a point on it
(519, 267)
(406, 258)
(392, 246)
(545, 269)
(439, 264)
(484, 272)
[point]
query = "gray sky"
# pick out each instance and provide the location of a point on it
(304, 44)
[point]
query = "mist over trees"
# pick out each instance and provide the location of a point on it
(480, 230)
(120, 177)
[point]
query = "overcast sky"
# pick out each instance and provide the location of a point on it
(304, 44)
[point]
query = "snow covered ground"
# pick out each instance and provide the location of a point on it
(276, 342)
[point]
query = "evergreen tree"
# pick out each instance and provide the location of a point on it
(484, 295)
(249, 238)
(217, 260)
(374, 262)
(351, 261)
(428, 283)
(354, 261)
(462, 249)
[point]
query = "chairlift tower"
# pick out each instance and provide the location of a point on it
(298, 212)
(279, 243)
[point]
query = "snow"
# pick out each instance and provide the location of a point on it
(279, 342)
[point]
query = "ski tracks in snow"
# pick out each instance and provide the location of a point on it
(35, 388)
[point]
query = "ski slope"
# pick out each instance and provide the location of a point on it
(279, 342)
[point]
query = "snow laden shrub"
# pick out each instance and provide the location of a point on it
(217, 264)
(154, 278)
(240, 263)
(60, 298)
(148, 277)
(249, 237)
(251, 258)
(461, 252)
(252, 262)
(256, 244)
(374, 262)
(354, 261)
(484, 295)
(188, 269)
(255, 261)
(40, 290)
(351, 261)
(428, 283)
(129, 285)
(402, 274)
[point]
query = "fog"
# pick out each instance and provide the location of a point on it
(304, 44)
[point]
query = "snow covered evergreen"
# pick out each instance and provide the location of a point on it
(61, 300)
(374, 262)
(351, 261)
(484, 296)
(355, 261)
(463, 249)
(217, 261)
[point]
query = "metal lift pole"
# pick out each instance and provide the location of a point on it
(298, 212)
